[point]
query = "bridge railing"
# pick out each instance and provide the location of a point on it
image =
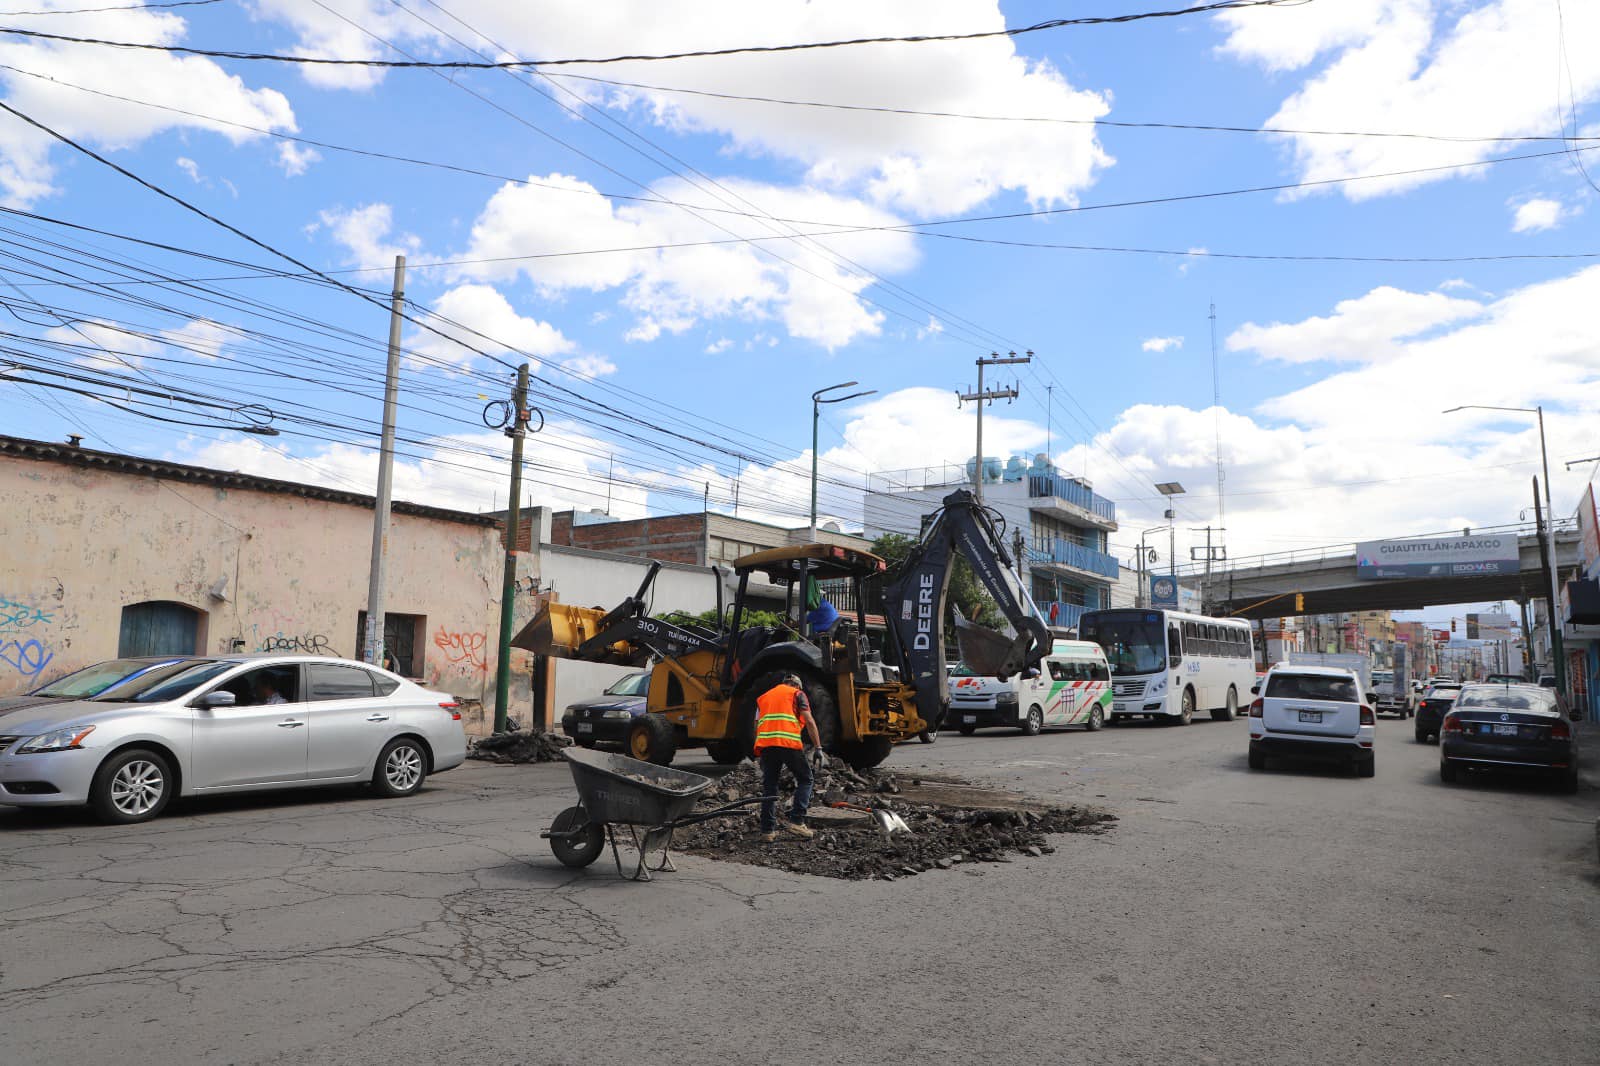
(1324, 552)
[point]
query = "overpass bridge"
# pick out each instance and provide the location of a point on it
(1265, 586)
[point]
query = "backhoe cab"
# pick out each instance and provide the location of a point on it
(703, 689)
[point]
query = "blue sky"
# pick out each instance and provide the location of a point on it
(1333, 374)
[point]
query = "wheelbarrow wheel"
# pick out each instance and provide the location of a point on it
(584, 844)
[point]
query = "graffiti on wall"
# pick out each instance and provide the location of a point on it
(20, 649)
(465, 650)
(307, 643)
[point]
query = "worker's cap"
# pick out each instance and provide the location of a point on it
(791, 679)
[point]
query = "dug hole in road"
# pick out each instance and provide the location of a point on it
(1300, 915)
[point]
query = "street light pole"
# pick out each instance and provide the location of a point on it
(1169, 489)
(1143, 599)
(817, 400)
(1557, 653)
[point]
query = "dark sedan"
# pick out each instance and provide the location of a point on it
(605, 718)
(1510, 727)
(1431, 709)
(91, 681)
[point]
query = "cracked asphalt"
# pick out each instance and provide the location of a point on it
(1295, 916)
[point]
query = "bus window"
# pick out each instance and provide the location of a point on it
(1174, 645)
(1098, 672)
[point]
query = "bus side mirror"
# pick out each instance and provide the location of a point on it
(1255, 690)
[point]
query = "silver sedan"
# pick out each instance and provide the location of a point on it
(229, 724)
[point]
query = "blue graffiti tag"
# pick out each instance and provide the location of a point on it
(27, 658)
(16, 615)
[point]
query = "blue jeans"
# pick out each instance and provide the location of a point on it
(773, 762)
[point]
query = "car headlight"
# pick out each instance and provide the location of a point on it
(1005, 697)
(63, 739)
(620, 712)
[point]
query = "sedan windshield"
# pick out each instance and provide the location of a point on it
(1312, 687)
(160, 686)
(632, 685)
(1507, 700)
(91, 680)
(1133, 644)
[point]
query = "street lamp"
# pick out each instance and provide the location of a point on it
(1556, 653)
(817, 400)
(1169, 489)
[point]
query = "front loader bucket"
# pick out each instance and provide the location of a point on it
(554, 631)
(987, 652)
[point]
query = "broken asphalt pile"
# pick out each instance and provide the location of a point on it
(952, 822)
(519, 747)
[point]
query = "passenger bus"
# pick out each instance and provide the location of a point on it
(1168, 664)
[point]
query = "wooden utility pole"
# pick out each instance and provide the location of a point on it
(518, 432)
(982, 397)
(380, 507)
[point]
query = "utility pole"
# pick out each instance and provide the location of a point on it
(1547, 551)
(1216, 410)
(518, 432)
(981, 397)
(1205, 584)
(380, 505)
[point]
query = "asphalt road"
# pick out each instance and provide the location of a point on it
(1292, 916)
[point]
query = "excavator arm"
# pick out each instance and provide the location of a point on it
(914, 605)
(622, 636)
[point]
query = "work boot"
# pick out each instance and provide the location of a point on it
(800, 829)
(769, 837)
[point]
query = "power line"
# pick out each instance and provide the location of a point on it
(517, 64)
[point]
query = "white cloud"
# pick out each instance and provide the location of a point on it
(1363, 330)
(103, 345)
(26, 171)
(934, 328)
(675, 271)
(294, 160)
(1476, 68)
(1531, 216)
(590, 366)
(201, 337)
(483, 309)
(367, 235)
(716, 347)
(191, 168)
(1161, 344)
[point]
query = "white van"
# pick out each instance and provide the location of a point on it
(1073, 688)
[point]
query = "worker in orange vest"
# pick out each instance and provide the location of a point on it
(783, 717)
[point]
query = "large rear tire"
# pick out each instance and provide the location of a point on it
(726, 752)
(865, 754)
(1228, 712)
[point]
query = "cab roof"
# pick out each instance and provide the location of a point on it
(825, 561)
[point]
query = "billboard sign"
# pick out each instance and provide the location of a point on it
(1163, 590)
(1589, 530)
(1473, 556)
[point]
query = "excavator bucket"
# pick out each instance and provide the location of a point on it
(987, 652)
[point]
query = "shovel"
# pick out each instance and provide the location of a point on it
(888, 821)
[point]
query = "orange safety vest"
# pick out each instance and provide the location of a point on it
(777, 722)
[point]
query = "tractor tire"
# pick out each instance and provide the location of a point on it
(651, 739)
(865, 754)
(727, 752)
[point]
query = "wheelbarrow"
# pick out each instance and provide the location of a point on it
(614, 791)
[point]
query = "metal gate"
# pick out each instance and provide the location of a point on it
(158, 627)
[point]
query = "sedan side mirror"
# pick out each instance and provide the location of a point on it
(1372, 697)
(1576, 714)
(218, 698)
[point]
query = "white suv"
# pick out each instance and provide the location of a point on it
(1314, 712)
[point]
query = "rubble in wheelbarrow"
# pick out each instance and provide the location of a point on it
(519, 747)
(952, 822)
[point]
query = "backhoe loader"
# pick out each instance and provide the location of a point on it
(704, 683)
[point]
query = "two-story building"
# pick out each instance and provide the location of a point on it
(1063, 524)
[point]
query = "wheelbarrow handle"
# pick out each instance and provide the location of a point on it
(706, 816)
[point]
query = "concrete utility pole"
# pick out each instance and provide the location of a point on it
(518, 432)
(980, 397)
(1205, 585)
(380, 508)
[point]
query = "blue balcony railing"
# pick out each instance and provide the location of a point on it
(1073, 492)
(1058, 613)
(1056, 550)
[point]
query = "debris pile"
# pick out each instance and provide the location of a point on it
(519, 747)
(952, 822)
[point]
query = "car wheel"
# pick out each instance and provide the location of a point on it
(1034, 723)
(928, 736)
(1258, 758)
(1097, 718)
(586, 742)
(1367, 767)
(131, 786)
(1188, 707)
(1447, 771)
(1567, 782)
(574, 839)
(1228, 712)
(966, 730)
(402, 764)
(650, 739)
(1422, 735)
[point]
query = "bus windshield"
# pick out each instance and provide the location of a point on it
(1133, 644)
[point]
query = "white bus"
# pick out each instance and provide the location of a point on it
(1168, 665)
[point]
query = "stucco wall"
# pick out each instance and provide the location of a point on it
(77, 545)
